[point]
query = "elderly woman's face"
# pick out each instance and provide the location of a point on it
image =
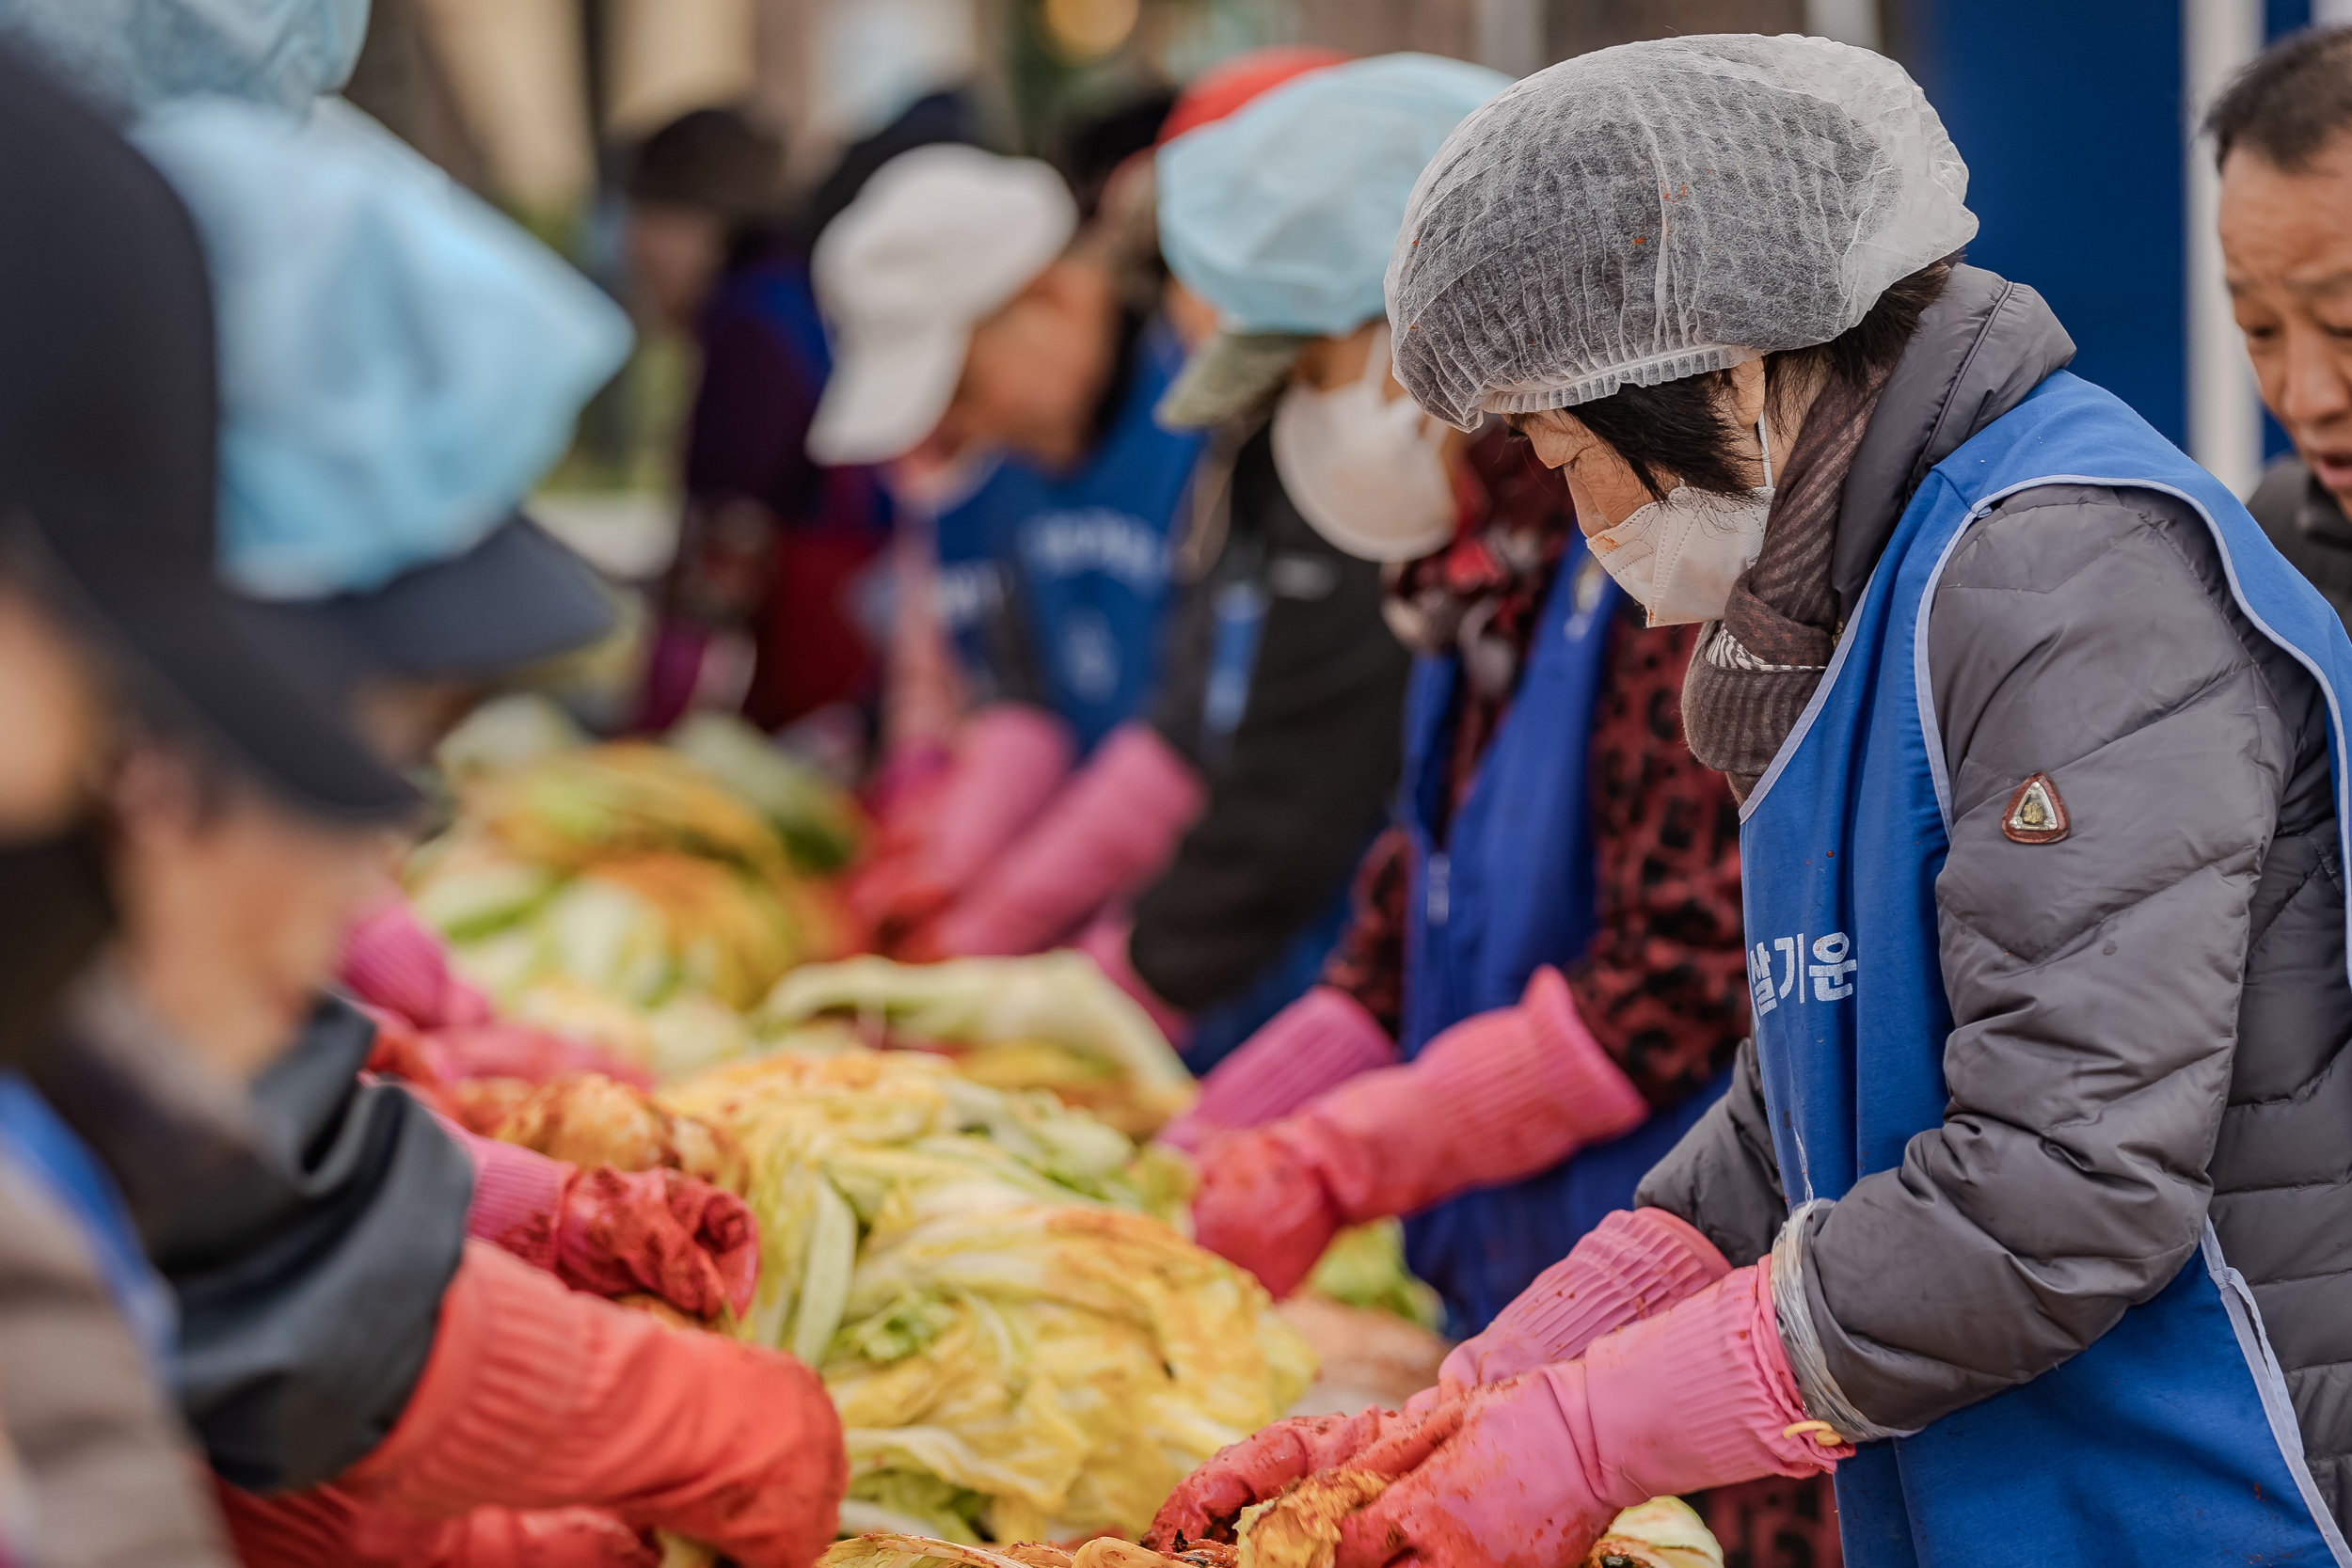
(1603, 485)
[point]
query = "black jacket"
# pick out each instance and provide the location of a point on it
(2308, 526)
(1298, 786)
(309, 1236)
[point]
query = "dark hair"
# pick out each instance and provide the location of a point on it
(718, 160)
(1678, 429)
(2293, 98)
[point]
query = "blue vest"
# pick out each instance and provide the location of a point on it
(1510, 889)
(35, 1144)
(1084, 556)
(2170, 1440)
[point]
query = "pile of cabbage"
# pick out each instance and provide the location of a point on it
(1051, 1022)
(1022, 1343)
(644, 895)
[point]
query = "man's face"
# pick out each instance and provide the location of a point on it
(2286, 244)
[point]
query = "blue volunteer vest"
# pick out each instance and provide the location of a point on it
(35, 1145)
(2171, 1439)
(1509, 889)
(1084, 556)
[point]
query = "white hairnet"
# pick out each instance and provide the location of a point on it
(1660, 210)
(133, 55)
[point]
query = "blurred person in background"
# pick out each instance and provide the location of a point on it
(1283, 687)
(2282, 134)
(2034, 735)
(1005, 361)
(1275, 643)
(1544, 976)
(336, 1323)
(755, 608)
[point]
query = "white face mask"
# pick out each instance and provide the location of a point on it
(1680, 556)
(1366, 471)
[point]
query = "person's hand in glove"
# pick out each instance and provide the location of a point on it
(1695, 1396)
(1310, 1047)
(1205, 1503)
(1012, 760)
(1496, 1098)
(539, 1396)
(1111, 828)
(1634, 1264)
(391, 961)
(615, 1232)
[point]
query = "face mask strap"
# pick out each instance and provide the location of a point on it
(1764, 436)
(1376, 360)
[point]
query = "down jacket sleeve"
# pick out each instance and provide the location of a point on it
(1722, 1177)
(2094, 982)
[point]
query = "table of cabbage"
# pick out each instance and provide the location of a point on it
(965, 1238)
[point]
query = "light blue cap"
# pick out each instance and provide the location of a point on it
(1282, 213)
(398, 361)
(134, 55)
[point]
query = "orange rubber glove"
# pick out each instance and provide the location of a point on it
(329, 1527)
(537, 1396)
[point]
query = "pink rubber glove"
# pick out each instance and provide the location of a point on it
(1011, 761)
(1106, 943)
(1498, 1097)
(1112, 829)
(615, 1232)
(391, 961)
(1313, 1046)
(1698, 1396)
(1634, 1264)
(1205, 1503)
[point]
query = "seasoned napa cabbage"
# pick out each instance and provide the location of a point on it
(1019, 1350)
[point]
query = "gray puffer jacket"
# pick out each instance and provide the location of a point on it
(2150, 1015)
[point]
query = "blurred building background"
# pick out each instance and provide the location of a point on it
(2076, 119)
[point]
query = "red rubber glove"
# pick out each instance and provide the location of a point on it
(1111, 828)
(1695, 1396)
(536, 1397)
(615, 1232)
(1314, 1045)
(1205, 1503)
(1011, 761)
(1634, 1264)
(1498, 1097)
(327, 1528)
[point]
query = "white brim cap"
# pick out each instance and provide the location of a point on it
(884, 396)
(940, 239)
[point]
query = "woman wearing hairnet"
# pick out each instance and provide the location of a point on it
(2024, 1192)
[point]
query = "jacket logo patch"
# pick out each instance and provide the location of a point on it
(2036, 815)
